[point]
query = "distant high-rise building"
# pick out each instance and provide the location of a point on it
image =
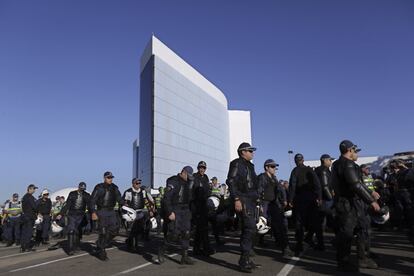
(184, 119)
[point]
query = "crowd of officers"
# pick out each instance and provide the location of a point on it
(339, 195)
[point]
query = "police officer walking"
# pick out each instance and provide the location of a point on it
(404, 195)
(103, 200)
(273, 204)
(305, 199)
(44, 208)
(138, 199)
(158, 208)
(176, 205)
(75, 209)
(28, 218)
(244, 190)
(324, 175)
(201, 192)
(348, 187)
(13, 210)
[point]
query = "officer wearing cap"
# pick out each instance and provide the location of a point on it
(74, 210)
(305, 198)
(142, 202)
(405, 195)
(273, 201)
(215, 217)
(349, 188)
(29, 214)
(177, 199)
(158, 206)
(364, 222)
(324, 175)
(201, 192)
(44, 208)
(103, 200)
(12, 211)
(244, 189)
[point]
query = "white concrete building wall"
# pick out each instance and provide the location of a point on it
(239, 130)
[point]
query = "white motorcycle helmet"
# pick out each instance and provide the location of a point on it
(154, 224)
(213, 202)
(261, 226)
(382, 216)
(56, 229)
(288, 213)
(128, 214)
(39, 220)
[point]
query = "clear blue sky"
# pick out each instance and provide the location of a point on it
(311, 72)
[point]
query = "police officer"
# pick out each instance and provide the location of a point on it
(44, 208)
(273, 203)
(75, 209)
(103, 199)
(13, 210)
(305, 198)
(176, 205)
(138, 199)
(29, 214)
(348, 187)
(158, 206)
(324, 175)
(201, 192)
(217, 217)
(244, 190)
(364, 222)
(405, 196)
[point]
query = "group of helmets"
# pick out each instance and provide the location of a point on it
(262, 226)
(56, 228)
(130, 215)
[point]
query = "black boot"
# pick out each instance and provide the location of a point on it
(244, 264)
(9, 243)
(185, 260)
(130, 243)
(252, 264)
(161, 254)
(71, 242)
(287, 253)
(101, 245)
(75, 243)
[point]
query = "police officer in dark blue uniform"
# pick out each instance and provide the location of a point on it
(273, 204)
(349, 189)
(29, 214)
(324, 175)
(142, 202)
(305, 198)
(44, 208)
(405, 196)
(244, 190)
(75, 209)
(201, 192)
(177, 214)
(103, 200)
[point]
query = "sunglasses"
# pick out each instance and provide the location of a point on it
(272, 167)
(251, 151)
(136, 183)
(46, 194)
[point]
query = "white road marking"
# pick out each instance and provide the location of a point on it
(290, 265)
(54, 261)
(140, 266)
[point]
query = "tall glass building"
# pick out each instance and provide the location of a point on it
(184, 119)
